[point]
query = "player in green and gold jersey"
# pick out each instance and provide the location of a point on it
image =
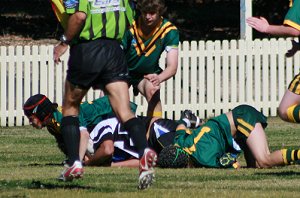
(148, 37)
(216, 143)
(41, 113)
(289, 108)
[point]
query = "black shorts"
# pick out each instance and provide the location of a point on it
(96, 63)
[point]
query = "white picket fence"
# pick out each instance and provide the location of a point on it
(213, 77)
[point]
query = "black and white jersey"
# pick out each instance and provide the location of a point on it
(111, 129)
(162, 133)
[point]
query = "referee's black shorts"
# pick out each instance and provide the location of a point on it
(96, 63)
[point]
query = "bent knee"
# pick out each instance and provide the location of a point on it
(282, 113)
(264, 163)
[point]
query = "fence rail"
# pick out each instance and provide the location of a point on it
(213, 77)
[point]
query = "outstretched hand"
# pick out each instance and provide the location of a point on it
(260, 24)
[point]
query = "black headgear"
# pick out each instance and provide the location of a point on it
(38, 105)
(173, 157)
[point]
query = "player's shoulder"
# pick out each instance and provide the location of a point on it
(167, 23)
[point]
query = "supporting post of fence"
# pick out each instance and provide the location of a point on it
(245, 12)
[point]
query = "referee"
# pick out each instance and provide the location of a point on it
(93, 31)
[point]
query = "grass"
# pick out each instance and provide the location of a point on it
(30, 162)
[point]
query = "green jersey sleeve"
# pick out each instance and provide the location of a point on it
(292, 18)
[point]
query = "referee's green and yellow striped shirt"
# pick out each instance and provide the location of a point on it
(105, 18)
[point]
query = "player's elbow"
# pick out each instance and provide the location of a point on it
(80, 17)
(294, 32)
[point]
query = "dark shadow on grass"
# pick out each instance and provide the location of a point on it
(286, 173)
(55, 185)
(42, 185)
(47, 164)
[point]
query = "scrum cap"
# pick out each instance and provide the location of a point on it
(38, 105)
(173, 157)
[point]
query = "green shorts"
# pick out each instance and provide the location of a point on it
(245, 117)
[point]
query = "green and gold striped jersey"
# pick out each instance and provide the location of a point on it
(143, 51)
(105, 18)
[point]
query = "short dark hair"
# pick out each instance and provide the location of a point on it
(173, 157)
(151, 6)
(38, 105)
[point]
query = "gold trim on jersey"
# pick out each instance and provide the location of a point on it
(292, 24)
(244, 127)
(196, 139)
(150, 50)
(157, 33)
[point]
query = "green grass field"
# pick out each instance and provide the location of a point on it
(30, 163)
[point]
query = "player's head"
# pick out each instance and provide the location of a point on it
(173, 157)
(151, 6)
(39, 108)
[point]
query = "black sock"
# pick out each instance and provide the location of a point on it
(71, 135)
(137, 131)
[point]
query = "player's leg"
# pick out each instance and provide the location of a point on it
(84, 139)
(289, 108)
(152, 95)
(119, 98)
(70, 130)
(258, 145)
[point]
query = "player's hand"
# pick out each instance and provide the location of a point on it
(260, 24)
(58, 51)
(153, 78)
(86, 159)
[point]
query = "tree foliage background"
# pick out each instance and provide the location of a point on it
(195, 19)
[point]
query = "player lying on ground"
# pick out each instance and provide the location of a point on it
(110, 144)
(41, 113)
(110, 134)
(212, 145)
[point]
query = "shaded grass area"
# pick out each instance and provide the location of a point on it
(30, 163)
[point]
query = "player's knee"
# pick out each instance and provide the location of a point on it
(264, 162)
(282, 113)
(124, 115)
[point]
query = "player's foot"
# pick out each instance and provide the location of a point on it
(191, 119)
(147, 163)
(69, 173)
